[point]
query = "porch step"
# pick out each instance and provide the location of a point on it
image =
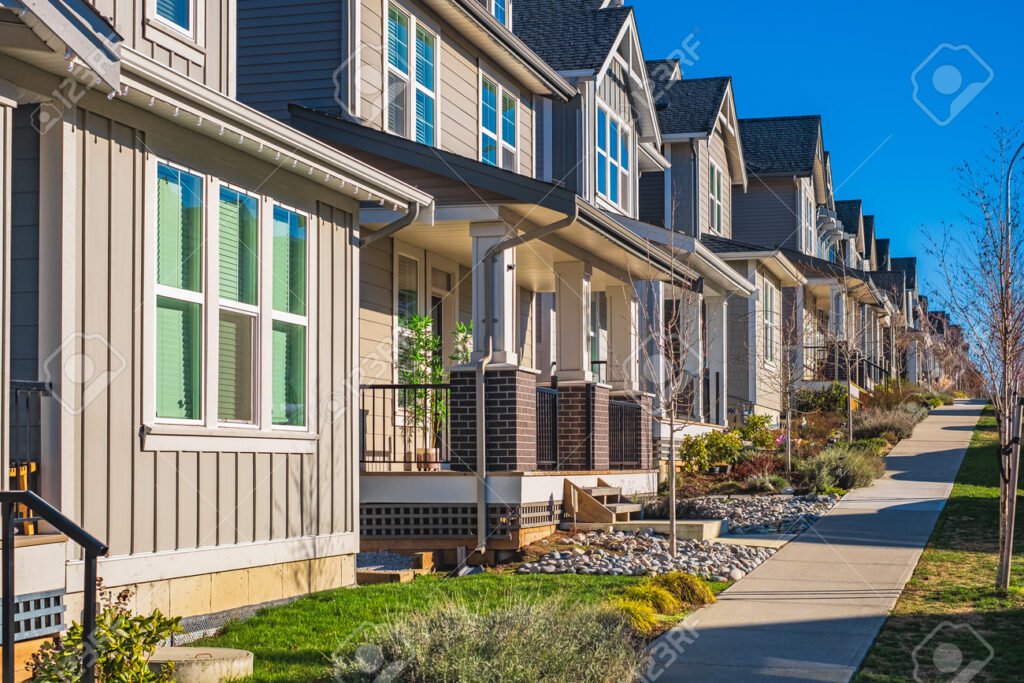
(623, 508)
(604, 491)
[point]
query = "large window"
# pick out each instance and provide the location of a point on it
(176, 12)
(613, 158)
(498, 125)
(411, 78)
(186, 336)
(502, 11)
(715, 195)
(770, 314)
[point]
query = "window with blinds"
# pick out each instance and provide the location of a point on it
(498, 128)
(412, 101)
(177, 12)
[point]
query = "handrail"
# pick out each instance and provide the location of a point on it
(93, 547)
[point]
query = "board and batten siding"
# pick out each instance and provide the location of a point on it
(208, 59)
(291, 53)
(713, 150)
(24, 263)
(143, 501)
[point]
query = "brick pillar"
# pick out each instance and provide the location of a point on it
(646, 421)
(583, 426)
(511, 395)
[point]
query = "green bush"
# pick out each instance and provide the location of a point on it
(830, 400)
(123, 644)
(691, 590)
(693, 453)
(640, 616)
(654, 595)
(840, 465)
(757, 430)
(769, 483)
(876, 446)
(518, 643)
(723, 447)
(872, 423)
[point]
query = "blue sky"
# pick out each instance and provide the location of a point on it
(852, 63)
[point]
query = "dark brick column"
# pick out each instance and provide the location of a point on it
(583, 426)
(646, 423)
(511, 395)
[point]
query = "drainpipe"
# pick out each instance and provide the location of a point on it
(484, 361)
(391, 228)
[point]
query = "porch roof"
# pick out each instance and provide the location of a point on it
(773, 259)
(822, 273)
(469, 191)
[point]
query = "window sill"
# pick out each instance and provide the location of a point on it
(176, 41)
(165, 437)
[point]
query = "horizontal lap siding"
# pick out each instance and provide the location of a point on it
(376, 303)
(766, 213)
(716, 151)
(371, 63)
(460, 121)
(140, 501)
(24, 261)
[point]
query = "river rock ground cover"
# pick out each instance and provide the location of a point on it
(760, 514)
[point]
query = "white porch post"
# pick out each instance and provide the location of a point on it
(652, 322)
(623, 338)
(503, 291)
(837, 312)
(718, 354)
(572, 298)
(689, 319)
(544, 352)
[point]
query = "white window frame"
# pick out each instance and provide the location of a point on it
(503, 91)
(716, 197)
(769, 313)
(209, 424)
(189, 43)
(413, 86)
(492, 7)
(625, 176)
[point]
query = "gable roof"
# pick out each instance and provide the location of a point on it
(570, 35)
(908, 266)
(869, 238)
(783, 145)
(849, 212)
(689, 105)
(882, 252)
(891, 281)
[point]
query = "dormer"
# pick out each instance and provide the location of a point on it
(599, 143)
(702, 142)
(850, 213)
(869, 251)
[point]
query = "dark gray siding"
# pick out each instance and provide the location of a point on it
(289, 52)
(652, 198)
(567, 121)
(684, 188)
(766, 213)
(25, 248)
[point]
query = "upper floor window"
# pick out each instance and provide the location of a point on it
(502, 11)
(186, 335)
(715, 194)
(176, 12)
(498, 125)
(412, 77)
(613, 158)
(770, 313)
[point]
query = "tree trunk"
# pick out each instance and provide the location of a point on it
(673, 548)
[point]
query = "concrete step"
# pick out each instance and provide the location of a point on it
(203, 664)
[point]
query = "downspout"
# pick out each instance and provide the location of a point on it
(391, 228)
(695, 210)
(484, 361)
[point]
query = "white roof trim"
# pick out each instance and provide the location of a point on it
(650, 118)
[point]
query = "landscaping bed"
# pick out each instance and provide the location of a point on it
(626, 553)
(782, 514)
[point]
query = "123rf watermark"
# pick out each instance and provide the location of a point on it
(956, 653)
(948, 80)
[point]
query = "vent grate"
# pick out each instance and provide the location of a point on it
(38, 614)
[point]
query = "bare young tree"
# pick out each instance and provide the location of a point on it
(981, 262)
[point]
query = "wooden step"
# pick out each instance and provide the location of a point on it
(624, 508)
(603, 491)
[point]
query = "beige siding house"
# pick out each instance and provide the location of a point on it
(196, 317)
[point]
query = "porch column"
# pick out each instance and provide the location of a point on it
(691, 349)
(572, 299)
(623, 338)
(544, 352)
(837, 313)
(651, 369)
(503, 294)
(718, 354)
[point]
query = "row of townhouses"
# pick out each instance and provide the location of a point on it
(231, 228)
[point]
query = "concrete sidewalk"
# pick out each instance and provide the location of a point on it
(811, 612)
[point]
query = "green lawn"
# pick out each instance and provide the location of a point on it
(294, 642)
(954, 581)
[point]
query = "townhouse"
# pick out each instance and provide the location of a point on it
(179, 298)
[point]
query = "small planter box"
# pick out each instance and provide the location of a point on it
(720, 469)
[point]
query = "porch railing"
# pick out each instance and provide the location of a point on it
(625, 440)
(833, 363)
(405, 427)
(547, 427)
(25, 467)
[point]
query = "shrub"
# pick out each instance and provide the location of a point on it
(519, 642)
(654, 595)
(757, 464)
(871, 423)
(723, 447)
(757, 430)
(123, 644)
(693, 453)
(959, 395)
(831, 400)
(894, 395)
(769, 483)
(641, 616)
(840, 465)
(875, 446)
(691, 590)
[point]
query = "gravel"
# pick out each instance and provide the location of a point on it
(383, 562)
(761, 514)
(627, 553)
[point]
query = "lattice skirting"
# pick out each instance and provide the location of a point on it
(434, 520)
(38, 614)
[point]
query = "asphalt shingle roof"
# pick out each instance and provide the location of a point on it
(687, 105)
(882, 247)
(569, 34)
(908, 266)
(781, 145)
(848, 211)
(869, 234)
(891, 281)
(724, 245)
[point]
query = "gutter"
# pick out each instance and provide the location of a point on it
(484, 361)
(391, 228)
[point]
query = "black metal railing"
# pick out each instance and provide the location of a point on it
(547, 426)
(625, 436)
(836, 363)
(705, 416)
(10, 502)
(405, 426)
(25, 466)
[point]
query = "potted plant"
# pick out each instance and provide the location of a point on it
(425, 407)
